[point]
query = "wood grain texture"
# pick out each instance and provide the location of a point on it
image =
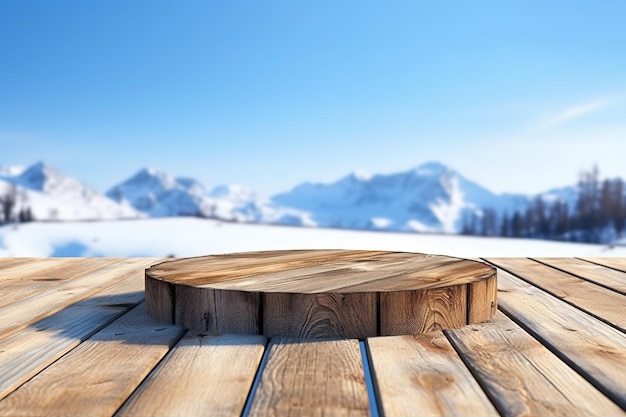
(202, 376)
(248, 308)
(160, 300)
(321, 378)
(320, 293)
(610, 278)
(523, 377)
(599, 301)
(413, 312)
(552, 359)
(615, 263)
(358, 271)
(423, 375)
(28, 310)
(97, 377)
(10, 262)
(28, 351)
(50, 277)
(219, 268)
(312, 316)
(378, 272)
(482, 300)
(596, 350)
(19, 269)
(217, 312)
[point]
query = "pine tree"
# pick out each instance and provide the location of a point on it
(8, 202)
(505, 226)
(517, 225)
(619, 208)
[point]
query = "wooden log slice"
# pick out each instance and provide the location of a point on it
(321, 293)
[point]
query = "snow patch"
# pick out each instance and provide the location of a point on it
(380, 222)
(448, 211)
(361, 175)
(195, 237)
(416, 226)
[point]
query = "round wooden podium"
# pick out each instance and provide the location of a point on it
(321, 293)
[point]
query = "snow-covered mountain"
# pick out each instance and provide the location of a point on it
(158, 194)
(11, 170)
(428, 198)
(52, 195)
(431, 197)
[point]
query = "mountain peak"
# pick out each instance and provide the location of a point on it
(430, 197)
(431, 168)
(39, 165)
(54, 195)
(232, 191)
(149, 172)
(42, 177)
(361, 175)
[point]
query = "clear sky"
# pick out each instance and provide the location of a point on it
(517, 95)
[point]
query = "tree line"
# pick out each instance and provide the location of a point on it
(598, 215)
(13, 207)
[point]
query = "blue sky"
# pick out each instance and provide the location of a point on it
(517, 95)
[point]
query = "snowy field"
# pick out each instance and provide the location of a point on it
(183, 237)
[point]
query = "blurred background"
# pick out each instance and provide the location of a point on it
(161, 128)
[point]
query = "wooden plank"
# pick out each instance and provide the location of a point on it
(25, 353)
(33, 266)
(615, 263)
(607, 277)
(523, 377)
(482, 300)
(314, 378)
(599, 301)
(594, 349)
(424, 375)
(202, 376)
(319, 315)
(96, 377)
(11, 262)
(413, 312)
(36, 282)
(26, 311)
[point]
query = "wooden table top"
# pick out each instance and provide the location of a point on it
(321, 271)
(75, 339)
(351, 294)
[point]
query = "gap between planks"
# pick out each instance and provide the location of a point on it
(523, 377)
(592, 348)
(601, 275)
(201, 375)
(26, 352)
(595, 300)
(97, 376)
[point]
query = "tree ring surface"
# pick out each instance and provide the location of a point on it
(321, 293)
